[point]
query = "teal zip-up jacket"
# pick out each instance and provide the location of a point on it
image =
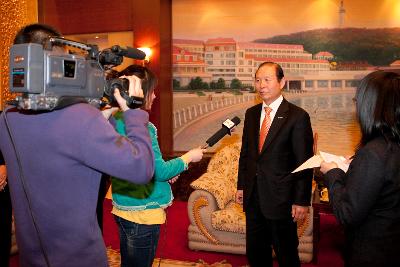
(157, 193)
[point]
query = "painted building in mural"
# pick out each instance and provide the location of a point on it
(324, 55)
(227, 59)
(188, 62)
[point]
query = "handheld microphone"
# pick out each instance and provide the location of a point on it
(227, 127)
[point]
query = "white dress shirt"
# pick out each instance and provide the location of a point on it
(274, 106)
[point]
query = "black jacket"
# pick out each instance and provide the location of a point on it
(366, 200)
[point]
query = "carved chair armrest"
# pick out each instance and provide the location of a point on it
(201, 205)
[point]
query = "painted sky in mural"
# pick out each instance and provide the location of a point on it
(252, 19)
(322, 69)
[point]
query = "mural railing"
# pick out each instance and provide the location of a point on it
(188, 114)
(314, 101)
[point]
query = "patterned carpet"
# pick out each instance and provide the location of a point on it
(114, 261)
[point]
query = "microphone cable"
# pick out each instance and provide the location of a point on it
(164, 241)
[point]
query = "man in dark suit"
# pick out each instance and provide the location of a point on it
(273, 198)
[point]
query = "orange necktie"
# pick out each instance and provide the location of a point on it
(264, 128)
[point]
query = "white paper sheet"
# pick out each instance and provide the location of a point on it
(312, 162)
(316, 160)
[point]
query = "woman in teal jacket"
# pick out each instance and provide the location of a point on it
(139, 209)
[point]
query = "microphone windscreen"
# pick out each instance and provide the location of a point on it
(133, 53)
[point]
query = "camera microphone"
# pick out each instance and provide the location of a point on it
(115, 54)
(227, 127)
(128, 52)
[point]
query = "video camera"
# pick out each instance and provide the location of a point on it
(45, 75)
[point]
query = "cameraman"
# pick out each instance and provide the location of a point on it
(54, 162)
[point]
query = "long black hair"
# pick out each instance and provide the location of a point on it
(378, 106)
(149, 80)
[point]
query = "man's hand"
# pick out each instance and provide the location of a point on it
(120, 100)
(299, 212)
(135, 89)
(108, 111)
(239, 197)
(135, 85)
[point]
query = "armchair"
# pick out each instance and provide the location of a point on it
(217, 223)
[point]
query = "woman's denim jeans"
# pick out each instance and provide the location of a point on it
(138, 243)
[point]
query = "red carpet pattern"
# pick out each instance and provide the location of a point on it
(114, 261)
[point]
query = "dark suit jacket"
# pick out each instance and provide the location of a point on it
(289, 143)
(366, 200)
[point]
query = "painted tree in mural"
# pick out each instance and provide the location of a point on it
(176, 84)
(196, 83)
(220, 84)
(236, 84)
(213, 85)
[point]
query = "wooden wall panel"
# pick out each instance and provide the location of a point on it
(88, 16)
(14, 15)
(151, 23)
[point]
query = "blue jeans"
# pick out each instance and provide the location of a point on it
(138, 243)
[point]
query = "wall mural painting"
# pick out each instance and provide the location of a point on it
(324, 46)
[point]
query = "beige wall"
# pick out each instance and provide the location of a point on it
(14, 15)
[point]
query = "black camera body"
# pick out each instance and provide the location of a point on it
(43, 76)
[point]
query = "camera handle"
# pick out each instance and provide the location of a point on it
(134, 101)
(25, 188)
(71, 43)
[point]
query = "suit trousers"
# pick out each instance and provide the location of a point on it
(5, 227)
(263, 234)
